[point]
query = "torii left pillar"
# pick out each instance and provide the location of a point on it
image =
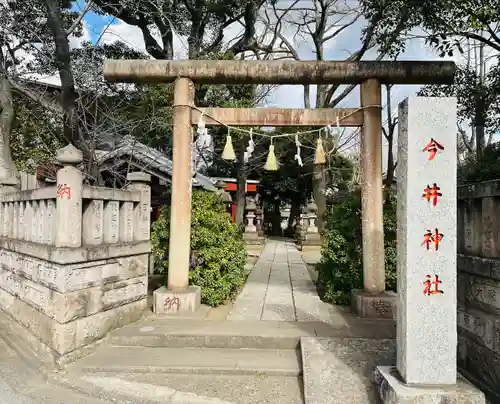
(373, 300)
(179, 296)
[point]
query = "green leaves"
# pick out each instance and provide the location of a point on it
(340, 268)
(469, 91)
(444, 23)
(218, 251)
(486, 169)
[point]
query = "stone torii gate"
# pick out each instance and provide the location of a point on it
(370, 75)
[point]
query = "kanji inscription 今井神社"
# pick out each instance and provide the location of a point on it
(433, 147)
(431, 287)
(432, 194)
(432, 238)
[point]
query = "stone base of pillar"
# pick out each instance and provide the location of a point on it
(311, 248)
(169, 302)
(381, 306)
(253, 238)
(313, 239)
(392, 390)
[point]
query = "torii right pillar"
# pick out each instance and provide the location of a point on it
(373, 301)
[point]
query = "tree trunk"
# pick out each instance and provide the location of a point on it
(7, 167)
(391, 167)
(480, 122)
(69, 96)
(276, 218)
(294, 215)
(241, 180)
(320, 181)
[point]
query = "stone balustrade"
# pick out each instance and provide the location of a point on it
(74, 258)
(478, 265)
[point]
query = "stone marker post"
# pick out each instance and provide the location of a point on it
(426, 261)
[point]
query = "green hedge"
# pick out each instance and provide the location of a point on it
(340, 268)
(218, 253)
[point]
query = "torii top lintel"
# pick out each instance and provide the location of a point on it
(279, 71)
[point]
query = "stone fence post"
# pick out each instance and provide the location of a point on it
(68, 232)
(139, 181)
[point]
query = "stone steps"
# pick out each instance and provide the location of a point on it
(314, 357)
(235, 354)
(271, 362)
(189, 333)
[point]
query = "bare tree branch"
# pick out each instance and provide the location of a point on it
(77, 22)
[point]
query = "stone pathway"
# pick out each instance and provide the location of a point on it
(280, 288)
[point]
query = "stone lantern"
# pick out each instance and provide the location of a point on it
(250, 208)
(251, 234)
(312, 236)
(222, 193)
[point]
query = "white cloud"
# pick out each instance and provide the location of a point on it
(128, 34)
(132, 36)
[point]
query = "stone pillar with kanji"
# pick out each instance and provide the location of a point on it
(426, 259)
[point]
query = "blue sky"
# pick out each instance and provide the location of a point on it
(95, 23)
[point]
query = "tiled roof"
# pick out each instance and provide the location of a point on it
(151, 158)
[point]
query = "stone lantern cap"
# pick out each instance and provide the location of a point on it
(69, 155)
(250, 204)
(223, 195)
(311, 206)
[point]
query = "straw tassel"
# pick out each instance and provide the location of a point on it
(271, 163)
(320, 157)
(228, 153)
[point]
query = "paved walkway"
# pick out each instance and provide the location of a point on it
(280, 288)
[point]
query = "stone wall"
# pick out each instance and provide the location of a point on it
(74, 258)
(479, 284)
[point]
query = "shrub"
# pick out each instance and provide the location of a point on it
(218, 253)
(341, 265)
(485, 169)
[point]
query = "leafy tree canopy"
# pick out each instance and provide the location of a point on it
(445, 22)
